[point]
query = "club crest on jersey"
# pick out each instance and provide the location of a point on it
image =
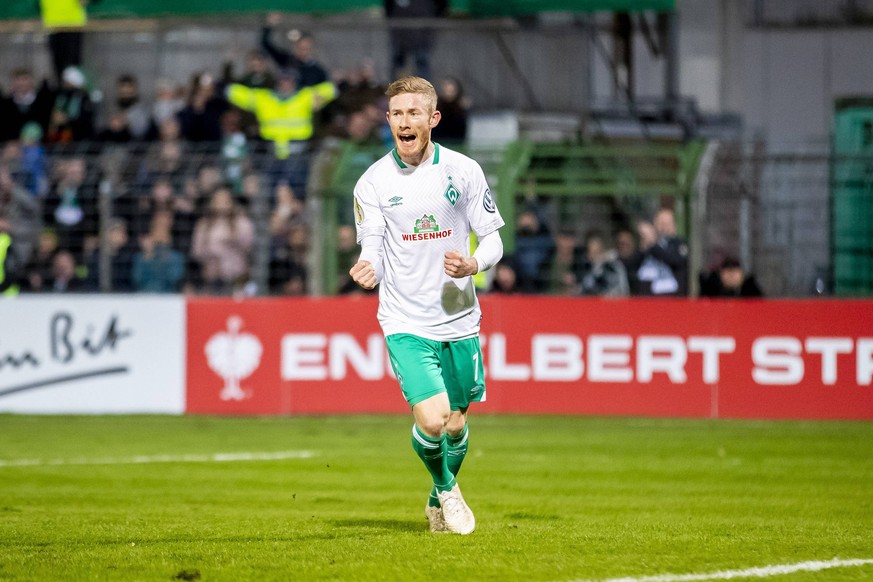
(452, 193)
(427, 223)
(488, 202)
(426, 228)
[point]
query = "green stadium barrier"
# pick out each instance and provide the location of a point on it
(852, 198)
(564, 173)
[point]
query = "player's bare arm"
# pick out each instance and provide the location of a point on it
(364, 274)
(458, 266)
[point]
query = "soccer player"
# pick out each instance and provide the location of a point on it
(415, 209)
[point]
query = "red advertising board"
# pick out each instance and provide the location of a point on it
(741, 359)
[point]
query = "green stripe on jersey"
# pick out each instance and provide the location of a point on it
(397, 159)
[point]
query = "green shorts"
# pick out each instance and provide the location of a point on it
(425, 368)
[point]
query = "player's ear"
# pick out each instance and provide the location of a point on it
(435, 118)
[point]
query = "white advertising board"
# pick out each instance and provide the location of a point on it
(92, 354)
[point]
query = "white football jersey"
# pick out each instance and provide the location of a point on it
(421, 212)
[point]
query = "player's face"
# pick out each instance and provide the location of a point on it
(411, 120)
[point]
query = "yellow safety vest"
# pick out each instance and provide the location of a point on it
(63, 14)
(282, 120)
(5, 243)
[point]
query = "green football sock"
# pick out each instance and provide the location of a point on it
(433, 452)
(457, 450)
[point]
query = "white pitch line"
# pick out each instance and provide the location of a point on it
(759, 572)
(144, 459)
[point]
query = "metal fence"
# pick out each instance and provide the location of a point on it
(212, 219)
(168, 216)
(771, 210)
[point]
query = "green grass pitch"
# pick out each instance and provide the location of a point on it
(556, 498)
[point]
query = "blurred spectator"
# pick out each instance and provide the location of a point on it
(201, 189)
(38, 271)
(200, 119)
(301, 59)
(566, 264)
(168, 102)
(665, 256)
(347, 254)
(413, 42)
(71, 207)
(234, 149)
(729, 280)
(165, 157)
(179, 218)
(117, 130)
(127, 100)
(162, 198)
(287, 213)
(157, 268)
(505, 280)
(285, 114)
(178, 226)
(257, 74)
(72, 117)
(26, 160)
(288, 264)
(451, 103)
(20, 211)
(358, 87)
(376, 113)
(533, 247)
(10, 265)
(654, 276)
(23, 104)
(121, 252)
(360, 129)
(64, 278)
(251, 189)
(65, 21)
(630, 256)
(223, 239)
(602, 273)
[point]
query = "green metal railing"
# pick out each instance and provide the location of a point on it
(568, 173)
(564, 174)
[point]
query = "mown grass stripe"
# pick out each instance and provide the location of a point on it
(143, 459)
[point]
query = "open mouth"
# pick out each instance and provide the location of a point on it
(406, 138)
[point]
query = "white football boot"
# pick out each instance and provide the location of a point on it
(435, 519)
(457, 515)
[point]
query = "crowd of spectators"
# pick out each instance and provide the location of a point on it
(564, 263)
(186, 166)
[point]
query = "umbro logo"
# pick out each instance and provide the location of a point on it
(396, 201)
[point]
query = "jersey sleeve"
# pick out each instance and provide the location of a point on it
(369, 220)
(481, 209)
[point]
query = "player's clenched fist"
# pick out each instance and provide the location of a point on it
(457, 265)
(364, 274)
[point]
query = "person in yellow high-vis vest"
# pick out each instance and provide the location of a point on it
(8, 286)
(65, 22)
(285, 118)
(284, 114)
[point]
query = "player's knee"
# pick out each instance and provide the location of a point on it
(434, 426)
(455, 425)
